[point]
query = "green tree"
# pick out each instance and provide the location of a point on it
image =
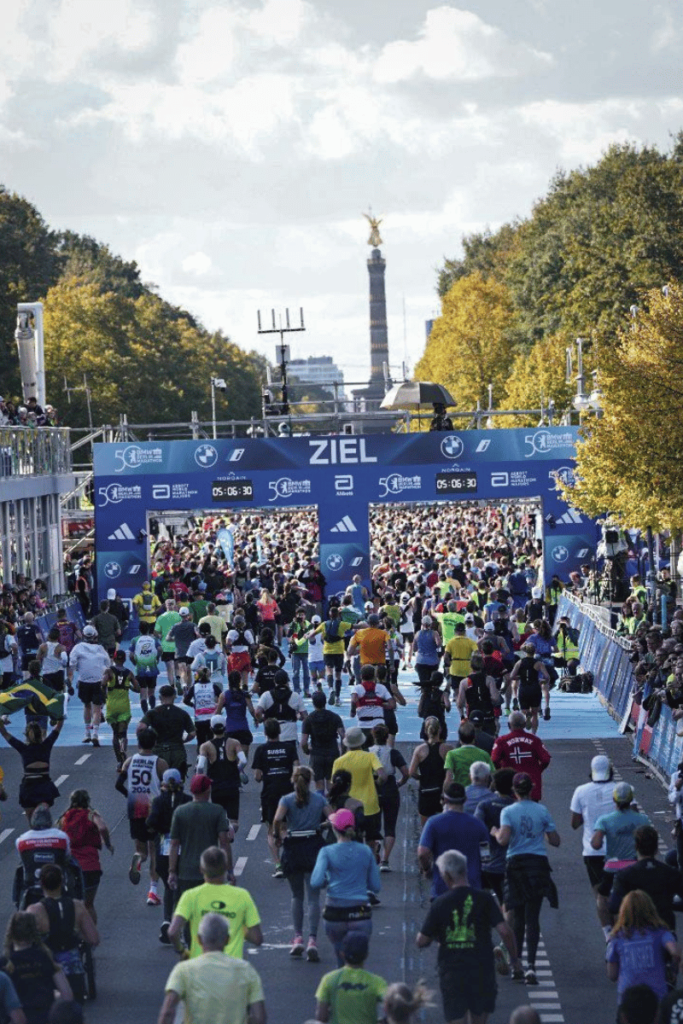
(86, 259)
(630, 461)
(539, 377)
(469, 345)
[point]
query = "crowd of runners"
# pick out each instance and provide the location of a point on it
(249, 670)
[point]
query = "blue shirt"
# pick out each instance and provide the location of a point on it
(640, 959)
(349, 870)
(306, 818)
(528, 822)
(619, 828)
(454, 830)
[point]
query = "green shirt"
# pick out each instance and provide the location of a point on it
(352, 995)
(215, 987)
(299, 629)
(164, 623)
(459, 761)
(228, 900)
(198, 610)
(448, 622)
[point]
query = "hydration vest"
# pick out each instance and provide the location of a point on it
(281, 708)
(477, 694)
(204, 700)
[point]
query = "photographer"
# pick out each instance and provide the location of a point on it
(441, 420)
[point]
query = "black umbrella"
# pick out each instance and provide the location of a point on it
(411, 394)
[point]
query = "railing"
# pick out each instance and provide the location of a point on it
(34, 451)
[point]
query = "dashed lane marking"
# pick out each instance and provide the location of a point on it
(544, 997)
(83, 759)
(239, 867)
(5, 833)
(253, 833)
(60, 780)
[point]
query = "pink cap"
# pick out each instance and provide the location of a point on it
(343, 819)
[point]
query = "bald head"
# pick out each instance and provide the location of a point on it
(525, 1015)
(517, 720)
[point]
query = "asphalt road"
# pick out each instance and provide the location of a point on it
(133, 966)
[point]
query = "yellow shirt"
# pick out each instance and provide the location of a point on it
(460, 649)
(361, 764)
(148, 613)
(228, 900)
(337, 646)
(216, 988)
(217, 624)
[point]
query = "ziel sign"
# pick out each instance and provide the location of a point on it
(341, 476)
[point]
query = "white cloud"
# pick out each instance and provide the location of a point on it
(457, 45)
(198, 264)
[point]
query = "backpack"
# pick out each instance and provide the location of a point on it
(281, 709)
(330, 637)
(370, 699)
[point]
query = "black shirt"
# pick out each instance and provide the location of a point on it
(461, 921)
(657, 879)
(322, 725)
(169, 723)
(275, 760)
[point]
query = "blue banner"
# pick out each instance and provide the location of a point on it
(226, 540)
(340, 475)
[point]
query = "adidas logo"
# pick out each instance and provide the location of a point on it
(345, 525)
(124, 532)
(571, 516)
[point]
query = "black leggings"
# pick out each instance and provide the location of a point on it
(526, 919)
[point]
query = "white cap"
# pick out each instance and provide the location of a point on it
(536, 592)
(90, 632)
(111, 594)
(315, 618)
(489, 627)
(183, 610)
(600, 768)
(217, 720)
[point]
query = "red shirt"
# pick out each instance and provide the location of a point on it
(525, 753)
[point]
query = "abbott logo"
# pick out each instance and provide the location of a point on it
(161, 491)
(500, 479)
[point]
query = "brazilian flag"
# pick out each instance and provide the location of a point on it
(33, 695)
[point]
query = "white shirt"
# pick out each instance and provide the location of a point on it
(90, 661)
(590, 801)
(315, 648)
(6, 652)
(676, 795)
(197, 647)
(233, 635)
(288, 730)
(371, 715)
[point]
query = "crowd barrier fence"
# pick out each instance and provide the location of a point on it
(607, 655)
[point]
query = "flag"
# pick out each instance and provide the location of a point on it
(34, 695)
(226, 540)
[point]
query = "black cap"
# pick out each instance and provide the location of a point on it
(476, 717)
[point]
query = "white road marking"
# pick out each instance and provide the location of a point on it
(552, 1018)
(5, 832)
(253, 832)
(60, 780)
(83, 759)
(239, 867)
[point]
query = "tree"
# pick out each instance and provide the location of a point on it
(539, 377)
(86, 259)
(630, 461)
(469, 345)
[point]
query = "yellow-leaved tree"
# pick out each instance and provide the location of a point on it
(630, 461)
(470, 343)
(538, 377)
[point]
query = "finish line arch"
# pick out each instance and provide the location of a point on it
(340, 474)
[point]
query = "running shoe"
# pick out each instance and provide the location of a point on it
(312, 954)
(502, 963)
(546, 714)
(278, 873)
(518, 974)
(152, 899)
(87, 739)
(163, 933)
(530, 976)
(95, 741)
(297, 946)
(384, 865)
(515, 705)
(134, 873)
(330, 700)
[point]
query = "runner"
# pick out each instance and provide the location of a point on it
(162, 628)
(117, 682)
(273, 763)
(223, 760)
(144, 653)
(321, 733)
(145, 770)
(428, 767)
(90, 660)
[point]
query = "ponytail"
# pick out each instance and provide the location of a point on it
(302, 782)
(432, 729)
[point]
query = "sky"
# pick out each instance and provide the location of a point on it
(232, 147)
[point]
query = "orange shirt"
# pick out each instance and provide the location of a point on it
(372, 645)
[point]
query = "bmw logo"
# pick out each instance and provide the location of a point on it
(334, 562)
(452, 447)
(112, 570)
(560, 553)
(206, 456)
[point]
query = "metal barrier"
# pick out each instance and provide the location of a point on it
(34, 451)
(607, 656)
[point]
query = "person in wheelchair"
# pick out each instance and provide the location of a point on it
(64, 925)
(40, 845)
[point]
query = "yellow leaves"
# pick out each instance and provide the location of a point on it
(468, 348)
(630, 462)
